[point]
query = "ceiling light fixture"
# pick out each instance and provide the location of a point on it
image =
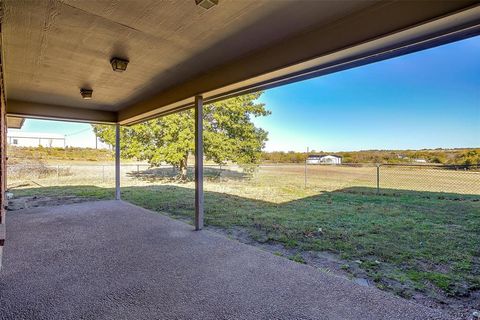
(119, 65)
(86, 93)
(206, 4)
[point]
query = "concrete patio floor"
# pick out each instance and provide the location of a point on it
(114, 260)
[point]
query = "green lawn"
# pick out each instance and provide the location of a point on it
(406, 242)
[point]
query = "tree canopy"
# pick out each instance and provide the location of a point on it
(229, 134)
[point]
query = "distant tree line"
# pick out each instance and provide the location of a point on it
(464, 156)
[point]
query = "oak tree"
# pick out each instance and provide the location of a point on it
(229, 135)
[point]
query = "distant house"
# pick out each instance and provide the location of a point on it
(420, 160)
(320, 159)
(31, 139)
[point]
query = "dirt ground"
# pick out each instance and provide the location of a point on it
(42, 201)
(318, 177)
(458, 308)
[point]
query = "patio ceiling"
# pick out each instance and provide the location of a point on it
(178, 50)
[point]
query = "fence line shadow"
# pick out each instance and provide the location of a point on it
(169, 174)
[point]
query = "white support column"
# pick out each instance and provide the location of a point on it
(198, 162)
(117, 161)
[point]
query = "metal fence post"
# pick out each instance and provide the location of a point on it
(103, 173)
(58, 173)
(378, 178)
(306, 167)
(305, 182)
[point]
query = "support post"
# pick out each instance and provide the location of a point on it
(378, 178)
(306, 158)
(198, 162)
(117, 161)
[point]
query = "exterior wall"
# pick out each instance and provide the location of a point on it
(313, 161)
(53, 142)
(325, 160)
(331, 160)
(3, 157)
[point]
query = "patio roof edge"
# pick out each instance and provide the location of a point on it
(26, 109)
(239, 77)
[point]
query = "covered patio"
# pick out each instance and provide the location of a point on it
(67, 60)
(114, 260)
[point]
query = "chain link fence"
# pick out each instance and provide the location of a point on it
(461, 179)
(289, 177)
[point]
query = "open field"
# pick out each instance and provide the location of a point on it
(418, 237)
(275, 183)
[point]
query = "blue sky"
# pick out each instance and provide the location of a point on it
(428, 99)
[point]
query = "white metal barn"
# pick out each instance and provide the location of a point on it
(33, 139)
(319, 159)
